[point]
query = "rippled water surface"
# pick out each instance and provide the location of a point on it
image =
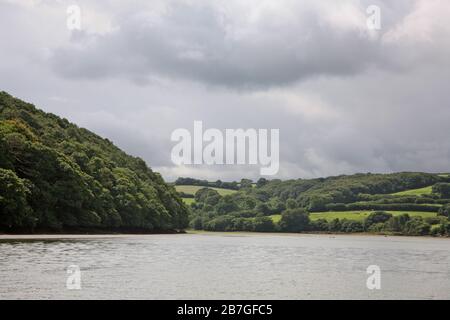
(225, 266)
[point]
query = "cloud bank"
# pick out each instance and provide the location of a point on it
(345, 98)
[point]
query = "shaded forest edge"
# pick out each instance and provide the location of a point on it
(57, 177)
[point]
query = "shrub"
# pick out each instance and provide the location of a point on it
(263, 224)
(396, 223)
(376, 227)
(444, 210)
(377, 217)
(334, 225)
(319, 225)
(294, 220)
(417, 227)
(442, 189)
(351, 226)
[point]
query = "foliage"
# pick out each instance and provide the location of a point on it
(377, 217)
(14, 209)
(444, 210)
(204, 183)
(62, 176)
(442, 189)
(294, 220)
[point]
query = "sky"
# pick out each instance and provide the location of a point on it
(346, 98)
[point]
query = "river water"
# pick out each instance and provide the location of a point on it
(224, 266)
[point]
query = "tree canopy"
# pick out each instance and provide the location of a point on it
(56, 175)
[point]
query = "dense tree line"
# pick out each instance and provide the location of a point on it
(216, 184)
(55, 175)
(381, 206)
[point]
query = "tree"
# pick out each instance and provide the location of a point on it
(263, 224)
(417, 227)
(334, 225)
(65, 176)
(444, 210)
(196, 223)
(204, 193)
(261, 182)
(291, 204)
(263, 209)
(226, 205)
(442, 189)
(14, 209)
(351, 226)
(377, 217)
(319, 225)
(294, 220)
(318, 203)
(246, 183)
(397, 223)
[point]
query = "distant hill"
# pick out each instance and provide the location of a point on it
(55, 175)
(411, 203)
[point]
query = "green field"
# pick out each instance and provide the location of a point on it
(194, 189)
(276, 218)
(414, 192)
(355, 215)
(188, 201)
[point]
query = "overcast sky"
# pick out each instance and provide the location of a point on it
(345, 98)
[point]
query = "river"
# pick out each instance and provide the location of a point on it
(224, 266)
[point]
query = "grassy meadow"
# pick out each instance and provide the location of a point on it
(414, 192)
(359, 215)
(193, 189)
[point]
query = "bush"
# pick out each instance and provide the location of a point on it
(442, 189)
(377, 217)
(396, 223)
(222, 223)
(417, 227)
(204, 193)
(318, 225)
(376, 227)
(263, 224)
(294, 220)
(334, 225)
(351, 226)
(444, 210)
(434, 220)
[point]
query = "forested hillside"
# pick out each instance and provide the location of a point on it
(54, 175)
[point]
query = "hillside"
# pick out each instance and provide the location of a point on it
(406, 203)
(57, 176)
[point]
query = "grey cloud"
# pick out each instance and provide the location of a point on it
(361, 104)
(203, 43)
